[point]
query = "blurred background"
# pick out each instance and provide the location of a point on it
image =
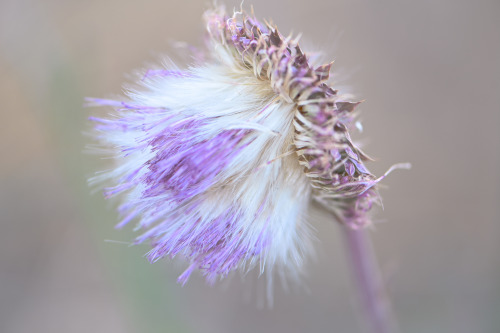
(430, 74)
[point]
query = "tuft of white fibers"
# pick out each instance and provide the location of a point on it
(219, 162)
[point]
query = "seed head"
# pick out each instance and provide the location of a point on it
(220, 162)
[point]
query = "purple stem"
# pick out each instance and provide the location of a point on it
(375, 304)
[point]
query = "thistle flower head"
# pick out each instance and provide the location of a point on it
(220, 162)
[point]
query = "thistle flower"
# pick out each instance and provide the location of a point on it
(220, 162)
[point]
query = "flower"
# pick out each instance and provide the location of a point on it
(220, 162)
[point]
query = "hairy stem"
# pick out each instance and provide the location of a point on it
(375, 305)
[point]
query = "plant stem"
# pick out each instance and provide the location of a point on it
(375, 304)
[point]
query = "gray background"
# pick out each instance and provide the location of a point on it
(430, 74)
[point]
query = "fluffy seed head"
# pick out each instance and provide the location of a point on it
(220, 162)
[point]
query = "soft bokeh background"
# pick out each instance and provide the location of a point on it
(430, 73)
